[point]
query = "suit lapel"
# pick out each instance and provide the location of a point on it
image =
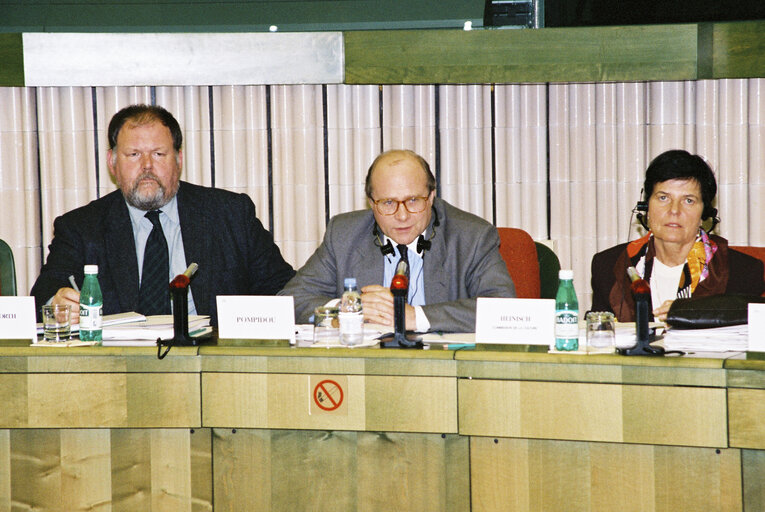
(120, 255)
(195, 225)
(367, 262)
(434, 261)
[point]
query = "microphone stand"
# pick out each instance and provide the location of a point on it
(641, 291)
(399, 287)
(179, 294)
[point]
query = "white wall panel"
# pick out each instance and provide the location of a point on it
(241, 143)
(409, 119)
(521, 157)
(298, 173)
(353, 140)
(756, 219)
(19, 184)
(67, 155)
(465, 132)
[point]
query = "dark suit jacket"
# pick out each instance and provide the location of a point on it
(236, 255)
(745, 275)
(463, 263)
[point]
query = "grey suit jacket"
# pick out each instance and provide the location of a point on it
(463, 263)
(221, 233)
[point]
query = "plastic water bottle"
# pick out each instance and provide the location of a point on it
(91, 306)
(351, 314)
(566, 313)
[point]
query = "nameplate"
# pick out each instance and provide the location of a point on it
(17, 318)
(515, 321)
(756, 327)
(256, 317)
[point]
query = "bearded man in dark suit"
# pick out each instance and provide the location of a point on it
(214, 228)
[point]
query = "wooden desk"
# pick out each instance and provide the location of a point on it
(267, 429)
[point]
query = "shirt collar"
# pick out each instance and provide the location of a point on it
(412, 246)
(170, 209)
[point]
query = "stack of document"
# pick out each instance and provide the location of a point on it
(734, 338)
(145, 333)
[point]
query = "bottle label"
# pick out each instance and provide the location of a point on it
(91, 317)
(351, 323)
(566, 324)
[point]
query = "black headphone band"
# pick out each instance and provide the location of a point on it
(423, 244)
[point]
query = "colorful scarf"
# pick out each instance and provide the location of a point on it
(705, 271)
(695, 270)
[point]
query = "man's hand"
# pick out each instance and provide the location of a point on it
(378, 307)
(71, 297)
(661, 312)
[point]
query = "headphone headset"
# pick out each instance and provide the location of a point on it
(641, 212)
(423, 244)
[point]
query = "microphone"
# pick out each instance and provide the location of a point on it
(179, 294)
(183, 280)
(641, 291)
(399, 287)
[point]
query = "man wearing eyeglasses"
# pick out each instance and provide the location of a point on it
(453, 255)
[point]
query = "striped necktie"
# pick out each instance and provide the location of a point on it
(154, 298)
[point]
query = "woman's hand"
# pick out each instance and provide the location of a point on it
(660, 313)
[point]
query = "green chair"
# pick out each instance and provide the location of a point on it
(549, 265)
(7, 270)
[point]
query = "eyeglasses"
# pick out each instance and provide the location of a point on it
(390, 206)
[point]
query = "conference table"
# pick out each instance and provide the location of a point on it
(250, 428)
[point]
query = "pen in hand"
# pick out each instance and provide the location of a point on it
(74, 284)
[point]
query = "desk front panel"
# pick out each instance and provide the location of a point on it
(98, 400)
(355, 402)
(593, 412)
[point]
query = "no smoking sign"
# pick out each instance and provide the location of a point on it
(328, 395)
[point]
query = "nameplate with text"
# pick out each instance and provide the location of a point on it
(756, 327)
(515, 321)
(17, 318)
(256, 317)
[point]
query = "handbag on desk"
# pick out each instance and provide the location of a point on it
(711, 311)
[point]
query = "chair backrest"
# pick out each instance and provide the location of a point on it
(7, 270)
(549, 266)
(520, 254)
(755, 252)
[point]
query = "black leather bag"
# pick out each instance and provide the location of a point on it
(712, 311)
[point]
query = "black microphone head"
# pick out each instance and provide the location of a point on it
(387, 248)
(423, 244)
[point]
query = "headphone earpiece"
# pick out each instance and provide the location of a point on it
(386, 248)
(423, 244)
(641, 212)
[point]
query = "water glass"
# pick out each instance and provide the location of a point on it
(57, 324)
(326, 324)
(601, 329)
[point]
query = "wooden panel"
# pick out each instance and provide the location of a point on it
(651, 52)
(753, 468)
(108, 400)
(519, 474)
(675, 415)
(91, 469)
(738, 49)
(578, 411)
(329, 471)
(411, 404)
(746, 412)
(540, 410)
(399, 404)
(13, 389)
(164, 400)
(12, 59)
